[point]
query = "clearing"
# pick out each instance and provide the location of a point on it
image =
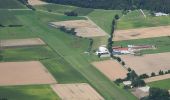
(141, 33)
(81, 91)
(36, 2)
(112, 69)
(149, 63)
(24, 73)
(21, 42)
(84, 28)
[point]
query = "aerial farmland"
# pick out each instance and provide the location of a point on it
(48, 51)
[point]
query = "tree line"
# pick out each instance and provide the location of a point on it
(153, 5)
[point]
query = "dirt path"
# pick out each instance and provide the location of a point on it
(157, 78)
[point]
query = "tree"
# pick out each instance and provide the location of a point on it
(161, 72)
(143, 76)
(138, 82)
(153, 74)
(117, 17)
(157, 94)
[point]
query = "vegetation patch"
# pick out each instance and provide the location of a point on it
(163, 84)
(10, 4)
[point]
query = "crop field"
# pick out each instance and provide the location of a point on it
(70, 49)
(84, 28)
(24, 73)
(36, 2)
(140, 33)
(36, 92)
(79, 91)
(57, 8)
(157, 78)
(10, 4)
(7, 18)
(164, 84)
(161, 43)
(147, 64)
(21, 42)
(28, 53)
(112, 69)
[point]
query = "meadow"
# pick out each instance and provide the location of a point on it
(163, 84)
(61, 9)
(10, 4)
(7, 18)
(35, 92)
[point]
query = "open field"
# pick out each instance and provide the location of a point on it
(36, 2)
(74, 56)
(112, 69)
(10, 4)
(164, 84)
(140, 33)
(21, 42)
(81, 91)
(83, 28)
(57, 8)
(36, 92)
(148, 63)
(133, 19)
(7, 18)
(24, 73)
(27, 53)
(161, 43)
(157, 78)
(103, 18)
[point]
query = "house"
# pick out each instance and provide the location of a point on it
(121, 50)
(160, 14)
(127, 83)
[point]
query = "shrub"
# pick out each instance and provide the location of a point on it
(161, 72)
(71, 13)
(129, 69)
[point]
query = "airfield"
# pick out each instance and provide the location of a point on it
(58, 58)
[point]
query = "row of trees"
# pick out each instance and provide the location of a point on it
(153, 5)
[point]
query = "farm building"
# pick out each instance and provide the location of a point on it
(160, 14)
(102, 50)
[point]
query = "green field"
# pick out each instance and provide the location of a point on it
(28, 53)
(162, 44)
(37, 92)
(163, 84)
(10, 4)
(135, 19)
(103, 18)
(57, 8)
(7, 18)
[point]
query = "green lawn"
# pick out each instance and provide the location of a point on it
(162, 44)
(10, 4)
(164, 84)
(37, 92)
(63, 44)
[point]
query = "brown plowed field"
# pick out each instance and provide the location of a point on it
(21, 42)
(148, 63)
(84, 28)
(81, 91)
(24, 73)
(112, 69)
(141, 33)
